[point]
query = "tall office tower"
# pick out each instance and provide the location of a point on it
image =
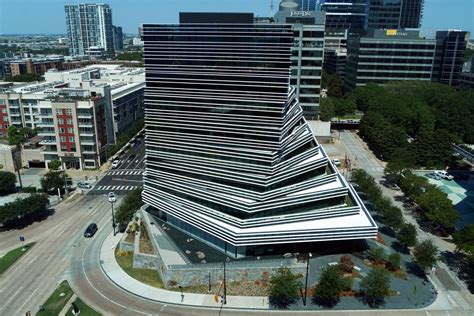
(231, 160)
(306, 56)
(308, 5)
(118, 38)
(345, 14)
(384, 14)
(411, 13)
(89, 25)
(449, 60)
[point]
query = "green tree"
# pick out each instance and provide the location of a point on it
(130, 204)
(335, 86)
(54, 165)
(464, 240)
(407, 235)
(413, 185)
(394, 260)
(375, 286)
(393, 171)
(377, 254)
(326, 109)
(53, 180)
(7, 182)
(426, 254)
(330, 284)
(344, 106)
(393, 217)
(284, 287)
(23, 210)
(438, 207)
(382, 204)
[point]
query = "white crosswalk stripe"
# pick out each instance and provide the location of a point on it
(124, 172)
(115, 187)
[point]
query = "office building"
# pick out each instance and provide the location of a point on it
(335, 61)
(450, 49)
(392, 55)
(394, 14)
(89, 25)
(307, 56)
(231, 160)
(345, 14)
(118, 38)
(411, 13)
(308, 5)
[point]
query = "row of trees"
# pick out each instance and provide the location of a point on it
(286, 287)
(390, 215)
(426, 253)
(24, 78)
(130, 204)
(125, 137)
(23, 210)
(432, 203)
(331, 107)
(414, 122)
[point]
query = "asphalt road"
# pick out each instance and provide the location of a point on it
(30, 281)
(127, 176)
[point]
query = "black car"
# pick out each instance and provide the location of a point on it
(131, 157)
(90, 230)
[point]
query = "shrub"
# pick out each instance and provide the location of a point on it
(375, 286)
(394, 260)
(284, 286)
(346, 264)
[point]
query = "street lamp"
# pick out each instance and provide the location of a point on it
(225, 285)
(182, 294)
(306, 281)
(113, 216)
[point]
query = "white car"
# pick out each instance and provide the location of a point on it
(115, 163)
(444, 175)
(336, 162)
(112, 198)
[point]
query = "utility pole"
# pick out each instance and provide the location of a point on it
(306, 281)
(225, 283)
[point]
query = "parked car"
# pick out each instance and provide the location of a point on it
(90, 230)
(84, 185)
(112, 198)
(444, 175)
(433, 175)
(131, 157)
(336, 162)
(115, 164)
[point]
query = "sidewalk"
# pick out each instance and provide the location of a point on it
(113, 271)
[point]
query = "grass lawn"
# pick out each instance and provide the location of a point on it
(12, 256)
(84, 308)
(55, 303)
(147, 276)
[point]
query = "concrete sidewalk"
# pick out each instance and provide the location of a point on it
(111, 268)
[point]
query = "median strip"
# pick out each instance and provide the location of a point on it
(12, 256)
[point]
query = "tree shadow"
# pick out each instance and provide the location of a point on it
(281, 303)
(325, 302)
(399, 247)
(372, 301)
(415, 269)
(387, 231)
(28, 220)
(460, 264)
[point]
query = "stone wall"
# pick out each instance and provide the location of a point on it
(145, 261)
(126, 246)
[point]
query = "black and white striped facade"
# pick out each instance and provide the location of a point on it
(230, 158)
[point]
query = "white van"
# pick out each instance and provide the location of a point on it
(444, 175)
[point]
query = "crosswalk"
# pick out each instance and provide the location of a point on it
(116, 187)
(125, 172)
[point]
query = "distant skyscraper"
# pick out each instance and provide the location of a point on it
(89, 25)
(411, 14)
(307, 5)
(118, 38)
(345, 14)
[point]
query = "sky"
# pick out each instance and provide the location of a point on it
(47, 16)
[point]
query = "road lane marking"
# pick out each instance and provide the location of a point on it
(33, 259)
(100, 293)
(26, 301)
(11, 297)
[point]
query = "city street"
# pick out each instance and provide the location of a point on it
(127, 176)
